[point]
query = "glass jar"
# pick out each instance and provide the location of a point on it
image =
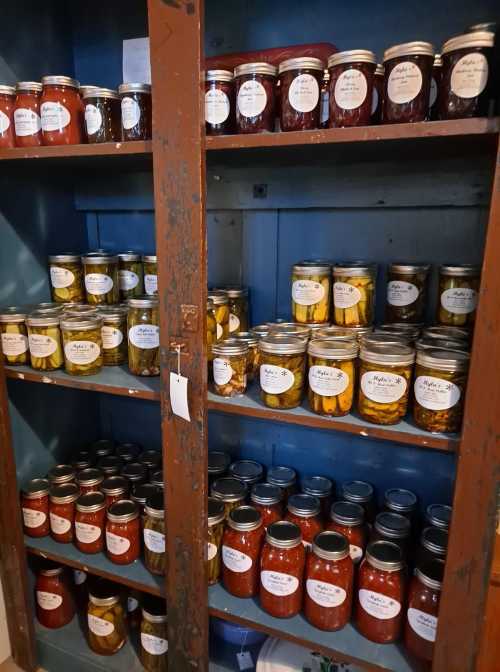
(101, 278)
(216, 519)
(354, 294)
(102, 448)
(329, 579)
(154, 535)
(324, 111)
(35, 508)
(421, 624)
(285, 478)
(241, 545)
(151, 459)
(140, 494)
(395, 528)
(102, 115)
(14, 336)
(458, 295)
(110, 465)
(157, 479)
(282, 370)
(7, 103)
(218, 464)
(433, 545)
(311, 290)
(62, 500)
(144, 336)
(230, 368)
(130, 278)
(247, 471)
(150, 267)
(304, 511)
(211, 332)
(115, 488)
(406, 292)
(260, 330)
(66, 278)
(61, 473)
(89, 480)
(377, 95)
(438, 515)
(267, 499)
(219, 102)
(27, 122)
(360, 492)
(114, 335)
(300, 84)
(321, 488)
(426, 343)
(136, 111)
(466, 80)
(230, 491)
(351, 87)
(135, 472)
(238, 308)
(220, 300)
(282, 566)
(89, 522)
(437, 71)
(80, 310)
(408, 70)
(348, 519)
(45, 342)
(254, 88)
(290, 329)
(128, 452)
(61, 111)
(83, 460)
(106, 618)
(384, 380)
(401, 330)
(404, 502)
(331, 376)
(82, 342)
(154, 635)
(55, 606)
(252, 353)
(453, 333)
(123, 540)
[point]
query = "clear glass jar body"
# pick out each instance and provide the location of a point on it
(101, 280)
(102, 118)
(219, 103)
(328, 592)
(254, 102)
(130, 278)
(27, 122)
(89, 530)
(83, 350)
(465, 83)
(66, 281)
(300, 98)
(154, 643)
(136, 114)
(351, 90)
(238, 313)
(383, 392)
(114, 339)
(240, 561)
(229, 372)
(222, 320)
(406, 88)
(7, 135)
(55, 606)
(61, 113)
(214, 568)
(331, 385)
(154, 544)
(458, 297)
(144, 341)
(14, 336)
(279, 389)
(107, 629)
(406, 296)
(45, 345)
(353, 298)
(150, 276)
(311, 296)
(439, 399)
(282, 580)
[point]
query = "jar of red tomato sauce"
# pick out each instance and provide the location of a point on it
(267, 499)
(377, 94)
(433, 545)
(136, 111)
(282, 565)
(90, 519)
(347, 519)
(285, 478)
(329, 580)
(62, 500)
(35, 508)
(7, 102)
(300, 86)
(55, 607)
(89, 480)
(361, 493)
(423, 609)
(404, 502)
(351, 87)
(219, 102)
(115, 488)
(395, 528)
(321, 488)
(123, 533)
(255, 85)
(241, 545)
(304, 511)
(61, 473)
(61, 111)
(27, 122)
(247, 471)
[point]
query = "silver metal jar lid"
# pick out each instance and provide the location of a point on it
(355, 269)
(330, 545)
(455, 333)
(89, 476)
(13, 314)
(400, 500)
(379, 70)
(103, 447)
(29, 86)
(229, 489)
(110, 464)
(443, 360)
(37, 487)
(266, 494)
(215, 511)
(409, 331)
(65, 258)
(123, 511)
(104, 601)
(135, 471)
(149, 258)
(431, 574)
(469, 41)
(151, 458)
(409, 49)
(333, 349)
(357, 491)
(157, 479)
(155, 505)
(439, 515)
(255, 69)
(392, 525)
(60, 80)
(81, 323)
(352, 56)
(218, 461)
(284, 534)
(52, 570)
(134, 87)
(143, 302)
(247, 471)
(128, 451)
(460, 270)
(335, 334)
(82, 310)
(318, 486)
(347, 513)
(260, 330)
(231, 346)
(218, 76)
(301, 63)
(311, 267)
(282, 345)
(38, 319)
(435, 540)
(382, 338)
(408, 269)
(112, 314)
(154, 618)
(101, 93)
(290, 329)
(283, 477)
(384, 555)
(64, 493)
(141, 492)
(438, 61)
(113, 486)
(90, 502)
(219, 297)
(392, 355)
(232, 291)
(246, 337)
(86, 87)
(304, 506)
(244, 519)
(99, 260)
(61, 473)
(426, 343)
(128, 256)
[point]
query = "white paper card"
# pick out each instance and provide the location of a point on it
(245, 661)
(179, 396)
(136, 62)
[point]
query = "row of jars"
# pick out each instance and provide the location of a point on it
(413, 84)
(58, 111)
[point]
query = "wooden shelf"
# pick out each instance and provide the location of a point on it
(106, 149)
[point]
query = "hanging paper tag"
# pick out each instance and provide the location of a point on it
(179, 396)
(245, 661)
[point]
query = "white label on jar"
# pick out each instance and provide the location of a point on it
(217, 106)
(132, 604)
(350, 89)
(145, 336)
(61, 277)
(98, 283)
(234, 322)
(81, 352)
(356, 553)
(469, 75)
(252, 98)
(425, 625)
(99, 626)
(275, 379)
(222, 371)
(303, 93)
(325, 107)
(154, 541)
(211, 551)
(26, 122)
(405, 82)
(4, 122)
(131, 113)
(111, 337)
(401, 293)
(156, 646)
(345, 295)
(150, 284)
(59, 525)
(42, 346)
(459, 300)
(235, 560)
(378, 605)
(115, 544)
(383, 387)
(86, 533)
(33, 518)
(93, 119)
(54, 116)
(374, 100)
(127, 280)
(325, 594)
(48, 601)
(219, 331)
(14, 344)
(327, 380)
(433, 94)
(436, 394)
(278, 583)
(79, 577)
(307, 292)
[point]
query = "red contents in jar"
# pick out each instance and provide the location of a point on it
(255, 83)
(61, 111)
(123, 533)
(423, 608)
(136, 111)
(90, 519)
(351, 87)
(303, 510)
(377, 95)
(35, 508)
(115, 488)
(55, 607)
(7, 101)
(320, 487)
(219, 102)
(437, 71)
(300, 88)
(241, 545)
(89, 480)
(266, 498)
(395, 528)
(27, 122)
(62, 500)
(347, 519)
(361, 493)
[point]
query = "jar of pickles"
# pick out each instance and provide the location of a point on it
(300, 85)
(406, 292)
(384, 381)
(255, 84)
(311, 290)
(458, 294)
(354, 294)
(14, 336)
(101, 278)
(252, 354)
(351, 87)
(220, 300)
(150, 267)
(211, 330)
(154, 636)
(66, 278)
(114, 335)
(230, 491)
(230, 368)
(106, 619)
(332, 373)
(282, 370)
(129, 275)
(238, 308)
(154, 534)
(215, 531)
(144, 336)
(45, 342)
(82, 341)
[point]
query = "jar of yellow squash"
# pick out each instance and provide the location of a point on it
(82, 340)
(66, 278)
(107, 631)
(458, 294)
(114, 335)
(332, 374)
(282, 370)
(101, 278)
(45, 342)
(311, 289)
(221, 307)
(14, 336)
(253, 352)
(230, 367)
(384, 381)
(354, 294)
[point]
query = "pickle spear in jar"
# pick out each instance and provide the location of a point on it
(354, 294)
(144, 336)
(311, 290)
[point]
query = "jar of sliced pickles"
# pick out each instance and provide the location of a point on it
(66, 278)
(332, 372)
(144, 336)
(101, 278)
(406, 292)
(14, 335)
(154, 534)
(114, 335)
(82, 341)
(150, 267)
(354, 294)
(130, 275)
(311, 289)
(335, 334)
(384, 381)
(107, 630)
(238, 308)
(252, 354)
(211, 330)
(440, 384)
(45, 342)
(214, 543)
(230, 367)
(220, 300)
(458, 294)
(282, 370)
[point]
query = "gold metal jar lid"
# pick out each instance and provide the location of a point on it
(123, 511)
(244, 519)
(6, 90)
(384, 555)
(60, 80)
(29, 86)
(219, 297)
(301, 63)
(333, 349)
(101, 93)
(65, 493)
(459, 270)
(284, 534)
(443, 360)
(330, 545)
(352, 56)
(229, 347)
(99, 259)
(392, 355)
(129, 256)
(355, 269)
(219, 76)
(282, 345)
(255, 69)
(81, 323)
(215, 511)
(469, 41)
(379, 70)
(90, 502)
(13, 314)
(149, 258)
(36, 488)
(408, 269)
(311, 267)
(134, 87)
(62, 258)
(145, 301)
(416, 48)
(38, 319)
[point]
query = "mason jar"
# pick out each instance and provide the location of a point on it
(45, 342)
(66, 278)
(406, 292)
(143, 336)
(220, 300)
(354, 294)
(114, 335)
(458, 294)
(14, 335)
(282, 370)
(238, 307)
(82, 340)
(150, 268)
(311, 291)
(332, 373)
(230, 368)
(130, 275)
(101, 278)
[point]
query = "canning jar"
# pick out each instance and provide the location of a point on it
(150, 268)
(282, 370)
(216, 519)
(351, 87)
(252, 353)
(154, 636)
(115, 488)
(406, 292)
(106, 618)
(14, 336)
(102, 448)
(424, 594)
(61, 111)
(144, 336)
(130, 278)
(101, 278)
(110, 465)
(458, 295)
(220, 300)
(247, 471)
(45, 342)
(354, 294)
(35, 508)
(311, 290)
(211, 332)
(102, 115)
(407, 83)
(361, 493)
(321, 488)
(285, 478)
(154, 534)
(230, 368)
(7, 103)
(114, 335)
(230, 491)
(80, 310)
(439, 388)
(377, 95)
(27, 122)
(55, 607)
(426, 343)
(438, 515)
(395, 528)
(384, 380)
(82, 342)
(241, 545)
(433, 545)
(83, 460)
(238, 308)
(329, 579)
(404, 502)
(267, 499)
(136, 111)
(62, 500)
(128, 452)
(348, 519)
(466, 75)
(301, 331)
(304, 511)
(437, 69)
(61, 473)
(89, 480)
(401, 330)
(123, 541)
(446, 331)
(89, 522)
(139, 494)
(254, 88)
(151, 459)
(157, 479)
(282, 565)
(260, 330)
(300, 84)
(331, 376)
(219, 102)
(66, 278)
(135, 472)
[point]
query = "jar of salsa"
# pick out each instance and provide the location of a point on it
(7, 102)
(300, 85)
(321, 488)
(361, 493)
(61, 473)
(247, 471)
(61, 111)
(438, 515)
(282, 565)
(437, 71)
(231, 491)
(381, 591)
(111, 465)
(219, 102)
(83, 460)
(102, 115)
(433, 545)
(408, 70)
(35, 508)
(423, 608)
(285, 478)
(329, 580)
(27, 122)
(351, 87)
(62, 500)
(128, 452)
(89, 480)
(89, 522)
(241, 545)
(218, 464)
(304, 511)
(123, 537)
(348, 519)
(377, 94)
(136, 111)
(55, 607)
(404, 502)
(267, 499)
(214, 544)
(115, 488)
(395, 528)
(255, 83)
(135, 472)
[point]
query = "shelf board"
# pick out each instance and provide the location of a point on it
(134, 576)
(94, 151)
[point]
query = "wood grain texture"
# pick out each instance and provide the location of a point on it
(489, 653)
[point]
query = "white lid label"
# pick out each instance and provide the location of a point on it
(401, 293)
(405, 82)
(154, 541)
(54, 116)
(383, 387)
(222, 371)
(14, 344)
(303, 93)
(275, 379)
(469, 75)
(436, 394)
(234, 322)
(59, 525)
(98, 283)
(48, 601)
(86, 533)
(252, 98)
(156, 646)
(345, 295)
(81, 352)
(235, 560)
(33, 518)
(26, 122)
(127, 280)
(378, 605)
(374, 101)
(42, 346)
(131, 113)
(111, 337)
(325, 594)
(433, 94)
(278, 583)
(145, 336)
(99, 626)
(356, 553)
(79, 577)
(327, 380)
(217, 106)
(324, 114)
(115, 544)
(425, 625)
(459, 300)
(151, 284)
(211, 551)
(307, 292)
(350, 89)
(4, 122)
(93, 119)
(61, 277)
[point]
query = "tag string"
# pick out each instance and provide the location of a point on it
(178, 350)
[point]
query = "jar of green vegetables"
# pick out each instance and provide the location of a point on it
(143, 336)
(150, 266)
(114, 335)
(45, 342)
(130, 275)
(82, 340)
(66, 278)
(154, 636)
(154, 534)
(101, 278)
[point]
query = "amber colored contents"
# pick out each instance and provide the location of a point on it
(351, 87)
(136, 111)
(27, 122)
(90, 519)
(300, 93)
(62, 512)
(407, 82)
(55, 607)
(241, 551)
(7, 100)
(423, 607)
(304, 510)
(255, 83)
(437, 72)
(61, 112)
(267, 499)
(123, 532)
(102, 116)
(35, 508)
